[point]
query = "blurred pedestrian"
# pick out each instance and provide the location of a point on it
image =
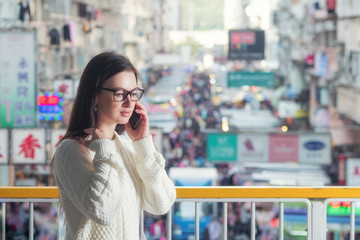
(106, 179)
(214, 229)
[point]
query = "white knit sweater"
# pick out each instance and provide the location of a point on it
(104, 188)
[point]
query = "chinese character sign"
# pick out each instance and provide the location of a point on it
(17, 79)
(66, 87)
(4, 146)
(28, 146)
(56, 135)
(353, 172)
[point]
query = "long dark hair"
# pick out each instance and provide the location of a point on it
(100, 68)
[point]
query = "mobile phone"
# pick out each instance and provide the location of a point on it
(134, 119)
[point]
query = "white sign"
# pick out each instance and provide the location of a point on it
(66, 87)
(28, 146)
(56, 135)
(253, 147)
(315, 148)
(353, 172)
(157, 138)
(4, 146)
(17, 79)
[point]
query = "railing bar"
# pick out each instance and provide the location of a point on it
(197, 222)
(225, 218)
(58, 221)
(169, 224)
(142, 222)
(309, 221)
(3, 219)
(31, 222)
(281, 221)
(352, 221)
(304, 200)
(29, 200)
(253, 220)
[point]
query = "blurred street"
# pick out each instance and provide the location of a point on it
(252, 92)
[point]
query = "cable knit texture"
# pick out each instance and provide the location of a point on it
(104, 188)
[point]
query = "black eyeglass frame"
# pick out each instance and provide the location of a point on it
(126, 93)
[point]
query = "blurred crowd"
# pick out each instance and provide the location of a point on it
(195, 113)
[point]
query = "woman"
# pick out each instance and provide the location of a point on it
(106, 179)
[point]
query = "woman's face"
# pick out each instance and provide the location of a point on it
(110, 112)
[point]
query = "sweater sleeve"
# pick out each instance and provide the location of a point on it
(158, 190)
(93, 185)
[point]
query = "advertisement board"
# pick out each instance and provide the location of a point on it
(66, 87)
(4, 146)
(260, 79)
(222, 147)
(17, 79)
(353, 171)
(56, 135)
(283, 148)
(246, 45)
(253, 147)
(315, 148)
(50, 106)
(28, 146)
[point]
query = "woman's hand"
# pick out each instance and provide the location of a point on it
(142, 130)
(93, 134)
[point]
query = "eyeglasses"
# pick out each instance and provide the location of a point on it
(121, 94)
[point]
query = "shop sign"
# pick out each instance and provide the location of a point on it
(4, 146)
(17, 79)
(66, 87)
(56, 135)
(353, 171)
(315, 148)
(260, 79)
(222, 147)
(283, 148)
(28, 146)
(246, 44)
(253, 147)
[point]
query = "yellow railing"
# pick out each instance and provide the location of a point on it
(316, 199)
(211, 192)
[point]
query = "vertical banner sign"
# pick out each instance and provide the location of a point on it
(28, 146)
(222, 147)
(4, 147)
(353, 172)
(56, 135)
(253, 147)
(17, 79)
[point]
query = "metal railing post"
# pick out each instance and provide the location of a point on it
(225, 222)
(31, 222)
(253, 220)
(197, 222)
(318, 214)
(3, 220)
(169, 224)
(352, 221)
(281, 221)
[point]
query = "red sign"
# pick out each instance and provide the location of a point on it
(283, 148)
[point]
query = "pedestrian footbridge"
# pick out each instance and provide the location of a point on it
(315, 200)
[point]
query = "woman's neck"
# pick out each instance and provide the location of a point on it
(107, 130)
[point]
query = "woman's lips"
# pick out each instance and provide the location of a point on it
(125, 113)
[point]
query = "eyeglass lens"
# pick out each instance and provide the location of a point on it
(121, 95)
